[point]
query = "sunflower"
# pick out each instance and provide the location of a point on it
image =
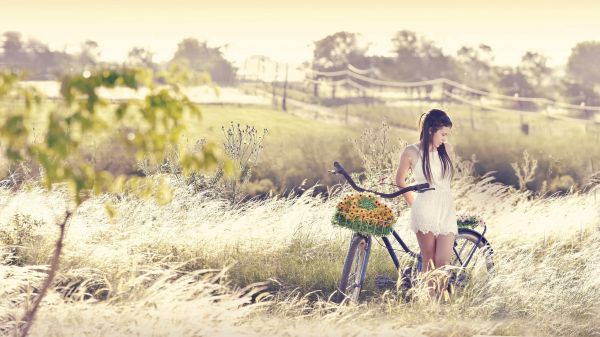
(365, 213)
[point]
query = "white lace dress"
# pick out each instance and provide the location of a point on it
(433, 211)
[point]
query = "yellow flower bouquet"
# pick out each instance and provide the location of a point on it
(364, 213)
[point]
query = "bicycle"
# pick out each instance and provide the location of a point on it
(357, 258)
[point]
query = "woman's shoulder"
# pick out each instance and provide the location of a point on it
(415, 146)
(412, 151)
(412, 148)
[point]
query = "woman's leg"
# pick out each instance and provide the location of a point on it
(443, 253)
(443, 249)
(427, 246)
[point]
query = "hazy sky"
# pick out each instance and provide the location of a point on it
(285, 30)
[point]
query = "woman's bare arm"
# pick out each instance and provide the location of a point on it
(402, 173)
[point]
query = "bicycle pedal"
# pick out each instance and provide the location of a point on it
(384, 282)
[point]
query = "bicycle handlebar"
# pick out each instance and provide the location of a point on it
(420, 188)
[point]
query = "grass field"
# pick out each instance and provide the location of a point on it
(565, 150)
(295, 149)
(202, 267)
(179, 269)
(299, 148)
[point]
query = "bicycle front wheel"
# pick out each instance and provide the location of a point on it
(355, 265)
(472, 257)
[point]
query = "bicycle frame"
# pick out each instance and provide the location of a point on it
(472, 252)
(391, 250)
(363, 272)
(388, 244)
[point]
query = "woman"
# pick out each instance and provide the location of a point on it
(433, 215)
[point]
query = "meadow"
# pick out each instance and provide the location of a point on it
(201, 265)
(296, 150)
(564, 147)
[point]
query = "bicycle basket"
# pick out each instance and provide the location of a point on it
(364, 213)
(471, 221)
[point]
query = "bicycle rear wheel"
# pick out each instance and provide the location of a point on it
(472, 256)
(355, 265)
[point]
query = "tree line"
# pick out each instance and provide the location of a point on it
(39, 62)
(413, 57)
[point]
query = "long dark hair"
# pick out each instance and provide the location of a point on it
(430, 123)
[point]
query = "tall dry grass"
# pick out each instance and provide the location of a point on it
(148, 270)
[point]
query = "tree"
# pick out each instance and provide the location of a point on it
(475, 64)
(577, 93)
(385, 66)
(33, 57)
(39, 56)
(13, 49)
(534, 66)
(512, 82)
(418, 58)
(140, 57)
(583, 65)
(42, 62)
(337, 51)
(201, 58)
(159, 122)
(409, 65)
(89, 55)
(582, 83)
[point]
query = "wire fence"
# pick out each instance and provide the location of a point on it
(363, 86)
(384, 89)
